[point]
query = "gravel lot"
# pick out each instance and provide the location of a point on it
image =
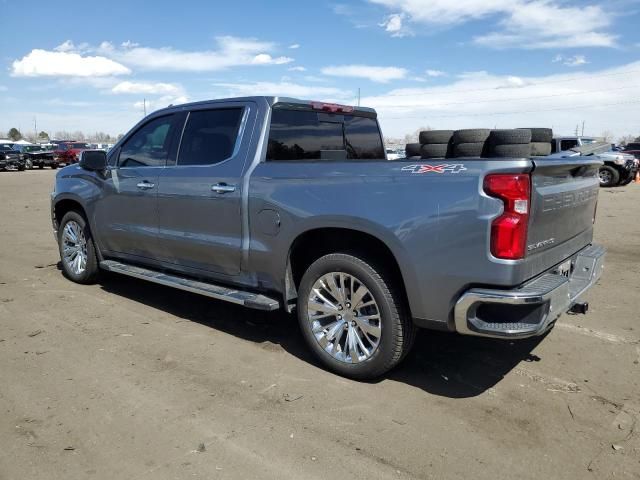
(129, 380)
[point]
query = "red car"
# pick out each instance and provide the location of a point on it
(632, 149)
(69, 152)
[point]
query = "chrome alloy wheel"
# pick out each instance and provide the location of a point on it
(74, 248)
(344, 317)
(605, 177)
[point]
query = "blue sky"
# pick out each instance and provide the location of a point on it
(436, 63)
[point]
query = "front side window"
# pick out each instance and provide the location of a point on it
(210, 136)
(310, 135)
(149, 146)
(568, 144)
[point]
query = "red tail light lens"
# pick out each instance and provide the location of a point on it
(509, 230)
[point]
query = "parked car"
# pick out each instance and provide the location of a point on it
(277, 203)
(632, 149)
(38, 156)
(395, 153)
(10, 158)
(69, 152)
(619, 168)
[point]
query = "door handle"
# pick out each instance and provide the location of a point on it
(145, 185)
(223, 188)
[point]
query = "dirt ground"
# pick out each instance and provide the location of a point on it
(129, 380)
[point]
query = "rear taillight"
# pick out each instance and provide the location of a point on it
(509, 230)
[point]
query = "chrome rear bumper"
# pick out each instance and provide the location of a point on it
(532, 308)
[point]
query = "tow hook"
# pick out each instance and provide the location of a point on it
(582, 307)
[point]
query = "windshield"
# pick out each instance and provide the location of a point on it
(6, 148)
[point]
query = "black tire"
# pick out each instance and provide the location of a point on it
(412, 150)
(40, 166)
(434, 150)
(435, 136)
(21, 168)
(90, 273)
(510, 151)
(626, 181)
(609, 176)
(471, 135)
(539, 149)
(397, 329)
(54, 166)
(541, 135)
(510, 137)
(467, 150)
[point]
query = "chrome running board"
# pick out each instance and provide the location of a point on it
(239, 297)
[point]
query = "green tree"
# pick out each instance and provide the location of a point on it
(14, 134)
(43, 135)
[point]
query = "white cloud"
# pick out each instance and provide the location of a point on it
(3, 88)
(295, 46)
(148, 88)
(393, 25)
(66, 46)
(297, 69)
(435, 73)
(605, 99)
(574, 61)
(373, 73)
(285, 89)
(129, 44)
(266, 59)
(522, 23)
(161, 102)
(39, 63)
(231, 52)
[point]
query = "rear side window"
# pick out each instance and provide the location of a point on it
(363, 138)
(309, 135)
(210, 136)
(149, 146)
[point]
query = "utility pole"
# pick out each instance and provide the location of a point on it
(358, 96)
(35, 129)
(583, 128)
(577, 129)
(144, 106)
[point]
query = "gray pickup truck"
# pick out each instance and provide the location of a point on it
(277, 203)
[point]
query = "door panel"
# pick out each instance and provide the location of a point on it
(200, 199)
(127, 215)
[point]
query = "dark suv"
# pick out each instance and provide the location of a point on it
(10, 158)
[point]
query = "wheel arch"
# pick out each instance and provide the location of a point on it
(313, 243)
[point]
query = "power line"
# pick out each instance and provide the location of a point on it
(509, 87)
(577, 107)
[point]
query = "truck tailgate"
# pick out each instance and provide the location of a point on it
(564, 195)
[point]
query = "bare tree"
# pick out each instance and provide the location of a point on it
(413, 137)
(626, 139)
(607, 136)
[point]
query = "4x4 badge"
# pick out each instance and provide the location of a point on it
(442, 168)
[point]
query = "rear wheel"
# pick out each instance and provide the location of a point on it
(77, 250)
(352, 317)
(609, 176)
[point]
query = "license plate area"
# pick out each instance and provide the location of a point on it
(564, 269)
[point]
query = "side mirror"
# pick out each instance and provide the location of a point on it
(93, 160)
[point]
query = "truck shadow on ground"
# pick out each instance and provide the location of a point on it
(443, 364)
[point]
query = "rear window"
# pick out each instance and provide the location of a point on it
(210, 136)
(309, 135)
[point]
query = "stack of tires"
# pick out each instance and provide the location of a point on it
(541, 139)
(482, 142)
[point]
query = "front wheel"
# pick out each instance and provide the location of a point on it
(352, 317)
(609, 176)
(77, 251)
